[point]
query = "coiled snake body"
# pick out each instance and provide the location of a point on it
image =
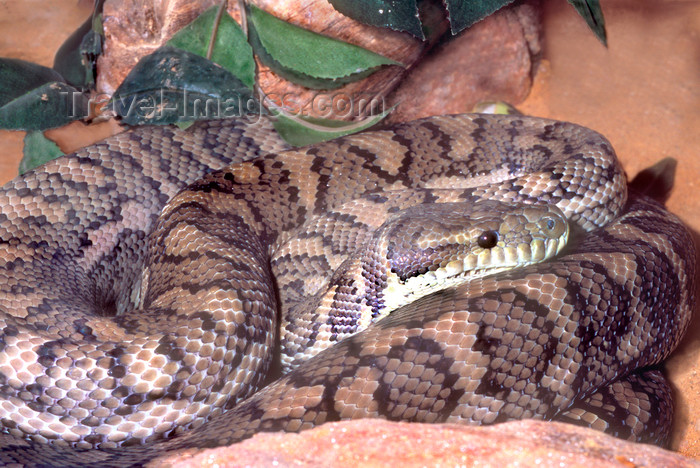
(120, 325)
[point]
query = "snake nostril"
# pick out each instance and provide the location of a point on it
(488, 239)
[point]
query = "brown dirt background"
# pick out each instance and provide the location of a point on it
(642, 92)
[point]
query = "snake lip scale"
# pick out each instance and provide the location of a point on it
(146, 280)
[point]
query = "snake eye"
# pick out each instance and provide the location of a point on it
(488, 239)
(553, 227)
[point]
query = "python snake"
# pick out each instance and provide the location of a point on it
(126, 333)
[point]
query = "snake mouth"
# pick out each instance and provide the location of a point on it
(504, 257)
(494, 260)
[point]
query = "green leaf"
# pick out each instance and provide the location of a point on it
(97, 24)
(308, 58)
(591, 12)
(403, 15)
(173, 85)
(50, 105)
(37, 150)
(76, 58)
(230, 49)
(185, 124)
(17, 77)
(399, 15)
(463, 13)
(302, 131)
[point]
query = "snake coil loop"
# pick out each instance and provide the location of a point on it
(141, 291)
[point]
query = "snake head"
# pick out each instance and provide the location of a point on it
(431, 247)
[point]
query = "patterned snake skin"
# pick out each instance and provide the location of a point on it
(126, 335)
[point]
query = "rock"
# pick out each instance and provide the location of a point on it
(491, 61)
(379, 443)
(133, 30)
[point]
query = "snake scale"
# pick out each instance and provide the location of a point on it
(127, 333)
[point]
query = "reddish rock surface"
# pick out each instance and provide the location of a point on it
(134, 29)
(389, 444)
(492, 60)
